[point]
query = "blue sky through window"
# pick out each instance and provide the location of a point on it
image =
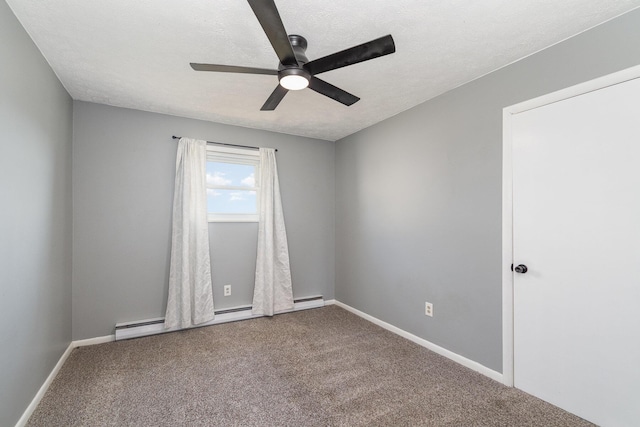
(230, 200)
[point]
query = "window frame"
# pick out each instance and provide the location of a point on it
(221, 154)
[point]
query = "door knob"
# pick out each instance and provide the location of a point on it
(521, 269)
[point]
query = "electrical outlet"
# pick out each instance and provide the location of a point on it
(227, 290)
(428, 309)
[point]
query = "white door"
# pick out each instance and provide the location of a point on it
(576, 227)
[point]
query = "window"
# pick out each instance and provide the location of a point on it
(232, 184)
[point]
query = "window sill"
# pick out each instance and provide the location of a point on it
(234, 218)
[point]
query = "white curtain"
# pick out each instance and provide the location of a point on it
(190, 293)
(272, 292)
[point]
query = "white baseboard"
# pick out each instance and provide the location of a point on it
(497, 376)
(234, 316)
(45, 386)
(93, 341)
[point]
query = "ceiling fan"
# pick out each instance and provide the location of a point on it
(295, 71)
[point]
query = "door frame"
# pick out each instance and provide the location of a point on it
(507, 196)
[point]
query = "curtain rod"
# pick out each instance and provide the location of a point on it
(224, 143)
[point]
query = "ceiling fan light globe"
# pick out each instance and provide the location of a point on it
(294, 82)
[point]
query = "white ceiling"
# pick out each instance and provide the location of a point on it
(136, 54)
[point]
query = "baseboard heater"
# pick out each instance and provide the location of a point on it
(156, 326)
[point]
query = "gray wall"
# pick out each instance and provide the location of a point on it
(418, 197)
(35, 219)
(123, 173)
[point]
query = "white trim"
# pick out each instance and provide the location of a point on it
(507, 195)
(233, 150)
(507, 251)
(45, 386)
(93, 341)
(497, 376)
(576, 90)
(243, 313)
(213, 217)
(142, 331)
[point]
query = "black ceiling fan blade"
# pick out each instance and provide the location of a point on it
(365, 51)
(274, 99)
(232, 69)
(332, 92)
(269, 18)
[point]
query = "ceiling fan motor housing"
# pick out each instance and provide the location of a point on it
(299, 45)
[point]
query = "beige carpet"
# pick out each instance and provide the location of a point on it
(321, 367)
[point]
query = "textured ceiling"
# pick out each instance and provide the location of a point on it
(136, 54)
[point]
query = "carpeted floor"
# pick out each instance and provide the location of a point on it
(321, 367)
